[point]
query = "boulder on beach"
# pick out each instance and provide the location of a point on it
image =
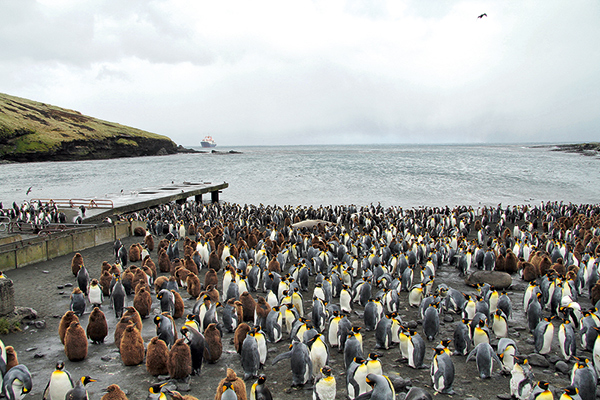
(496, 279)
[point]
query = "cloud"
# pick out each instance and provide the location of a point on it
(313, 71)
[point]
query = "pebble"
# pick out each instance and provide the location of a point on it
(68, 284)
(41, 324)
(46, 272)
(530, 341)
(553, 359)
(61, 292)
(412, 324)
(448, 318)
(184, 387)
(31, 349)
(106, 358)
(38, 355)
(563, 367)
(504, 396)
(538, 360)
(60, 287)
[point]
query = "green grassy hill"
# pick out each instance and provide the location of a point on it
(33, 131)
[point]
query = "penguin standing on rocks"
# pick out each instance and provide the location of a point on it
(462, 337)
(97, 328)
(442, 371)
(165, 328)
(117, 298)
(76, 344)
(415, 350)
(431, 322)
(507, 350)
(325, 387)
(197, 344)
(83, 280)
(566, 340)
(214, 346)
(132, 346)
(259, 391)
(485, 357)
(356, 378)
(383, 389)
(179, 364)
(273, 328)
(250, 357)
(542, 335)
(17, 382)
(95, 295)
(299, 356)
(77, 302)
(65, 322)
(157, 356)
(59, 384)
(500, 324)
(583, 378)
(79, 392)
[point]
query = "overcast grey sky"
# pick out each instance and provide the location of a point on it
(314, 72)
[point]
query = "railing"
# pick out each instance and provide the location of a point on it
(72, 203)
(5, 223)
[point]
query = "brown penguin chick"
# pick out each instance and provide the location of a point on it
(164, 263)
(214, 262)
(545, 265)
(180, 360)
(139, 231)
(120, 328)
(191, 229)
(127, 280)
(477, 225)
(76, 263)
(135, 254)
(510, 262)
(261, 311)
(163, 244)
(179, 305)
(188, 250)
(114, 392)
(571, 276)
(239, 309)
(65, 322)
(274, 266)
(132, 346)
(150, 264)
(139, 276)
(175, 395)
(11, 358)
(239, 387)
(559, 267)
(181, 275)
(210, 278)
(212, 293)
(157, 356)
(535, 258)
(105, 267)
(249, 306)
(97, 328)
(160, 283)
(105, 280)
(149, 242)
(76, 344)
(595, 293)
(116, 269)
(212, 338)
(239, 335)
(194, 287)
(174, 265)
(530, 272)
(499, 265)
(190, 265)
(142, 302)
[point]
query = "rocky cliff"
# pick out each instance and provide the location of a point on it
(32, 131)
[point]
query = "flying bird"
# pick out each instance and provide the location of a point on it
(482, 15)
(28, 191)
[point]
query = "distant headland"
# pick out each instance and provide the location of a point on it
(33, 131)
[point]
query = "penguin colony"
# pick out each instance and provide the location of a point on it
(367, 268)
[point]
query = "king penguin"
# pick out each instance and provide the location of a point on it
(17, 382)
(485, 357)
(415, 350)
(542, 335)
(79, 392)
(59, 384)
(325, 387)
(442, 371)
(259, 391)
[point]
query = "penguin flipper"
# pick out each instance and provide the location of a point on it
(46, 395)
(364, 396)
(282, 356)
(472, 353)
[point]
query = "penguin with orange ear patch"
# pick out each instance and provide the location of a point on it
(76, 344)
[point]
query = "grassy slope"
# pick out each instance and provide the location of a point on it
(29, 126)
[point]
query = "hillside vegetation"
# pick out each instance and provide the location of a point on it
(33, 131)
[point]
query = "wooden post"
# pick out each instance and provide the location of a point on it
(198, 198)
(214, 196)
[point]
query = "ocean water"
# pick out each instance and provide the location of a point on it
(393, 175)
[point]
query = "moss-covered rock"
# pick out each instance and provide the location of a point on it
(33, 131)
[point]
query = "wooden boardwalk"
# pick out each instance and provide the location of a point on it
(135, 200)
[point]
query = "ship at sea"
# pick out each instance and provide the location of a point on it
(208, 141)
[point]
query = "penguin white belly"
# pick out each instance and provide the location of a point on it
(59, 385)
(508, 359)
(361, 378)
(345, 299)
(596, 354)
(95, 295)
(414, 297)
(410, 350)
(470, 309)
(404, 346)
(561, 341)
(548, 334)
(332, 334)
(325, 389)
(318, 356)
(500, 328)
(17, 388)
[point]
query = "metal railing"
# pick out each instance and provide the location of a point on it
(73, 203)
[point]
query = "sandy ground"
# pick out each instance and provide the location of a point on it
(37, 286)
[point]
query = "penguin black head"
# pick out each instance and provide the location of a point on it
(326, 371)
(60, 365)
(571, 390)
(155, 389)
(262, 379)
(445, 342)
(438, 350)
(86, 379)
(543, 385)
